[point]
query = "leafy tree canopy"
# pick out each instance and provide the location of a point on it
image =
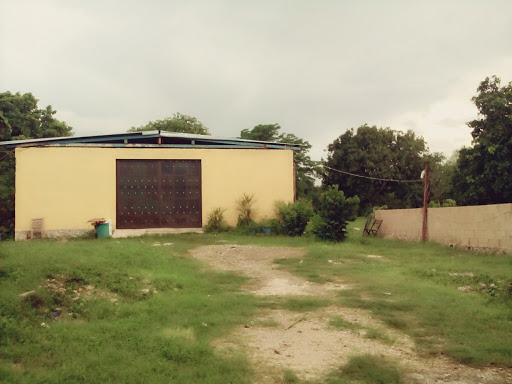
(380, 153)
(177, 123)
(5, 128)
(305, 167)
(484, 170)
(262, 132)
(20, 118)
(442, 172)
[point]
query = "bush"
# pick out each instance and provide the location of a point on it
(245, 207)
(295, 216)
(252, 228)
(333, 213)
(449, 203)
(276, 226)
(380, 208)
(216, 222)
(376, 208)
(446, 203)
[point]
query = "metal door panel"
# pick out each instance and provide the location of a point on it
(159, 194)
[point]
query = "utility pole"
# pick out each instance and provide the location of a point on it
(425, 204)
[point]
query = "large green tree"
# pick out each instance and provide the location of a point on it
(20, 118)
(442, 172)
(24, 120)
(305, 167)
(176, 123)
(484, 170)
(380, 153)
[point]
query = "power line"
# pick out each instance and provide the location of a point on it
(374, 178)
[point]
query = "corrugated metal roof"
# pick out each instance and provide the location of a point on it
(167, 139)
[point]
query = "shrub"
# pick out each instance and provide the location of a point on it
(277, 208)
(449, 203)
(245, 207)
(276, 226)
(333, 213)
(444, 204)
(380, 208)
(295, 216)
(376, 208)
(216, 222)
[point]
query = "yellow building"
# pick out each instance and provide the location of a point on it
(145, 181)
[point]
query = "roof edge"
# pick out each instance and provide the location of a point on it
(204, 140)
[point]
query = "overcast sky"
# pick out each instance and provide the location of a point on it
(317, 68)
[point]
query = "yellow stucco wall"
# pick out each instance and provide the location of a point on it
(70, 185)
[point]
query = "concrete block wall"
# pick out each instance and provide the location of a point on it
(482, 227)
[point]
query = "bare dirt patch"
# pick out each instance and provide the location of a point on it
(61, 285)
(258, 263)
(306, 342)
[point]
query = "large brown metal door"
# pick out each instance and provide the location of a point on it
(158, 194)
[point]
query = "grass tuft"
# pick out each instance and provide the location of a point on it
(376, 334)
(367, 369)
(289, 377)
(340, 323)
(306, 304)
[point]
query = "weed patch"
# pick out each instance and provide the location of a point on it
(306, 304)
(158, 330)
(367, 369)
(289, 377)
(376, 334)
(340, 323)
(266, 323)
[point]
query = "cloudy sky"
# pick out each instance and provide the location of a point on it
(317, 68)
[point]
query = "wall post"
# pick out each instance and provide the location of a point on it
(425, 204)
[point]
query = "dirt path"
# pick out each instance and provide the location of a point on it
(305, 342)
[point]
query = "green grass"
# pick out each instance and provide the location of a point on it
(167, 308)
(367, 369)
(413, 288)
(270, 323)
(141, 337)
(364, 369)
(293, 303)
(303, 304)
(289, 377)
(377, 334)
(340, 323)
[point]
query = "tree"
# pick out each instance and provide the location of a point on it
(305, 168)
(26, 121)
(442, 172)
(5, 128)
(7, 166)
(484, 170)
(262, 132)
(20, 118)
(177, 123)
(382, 154)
